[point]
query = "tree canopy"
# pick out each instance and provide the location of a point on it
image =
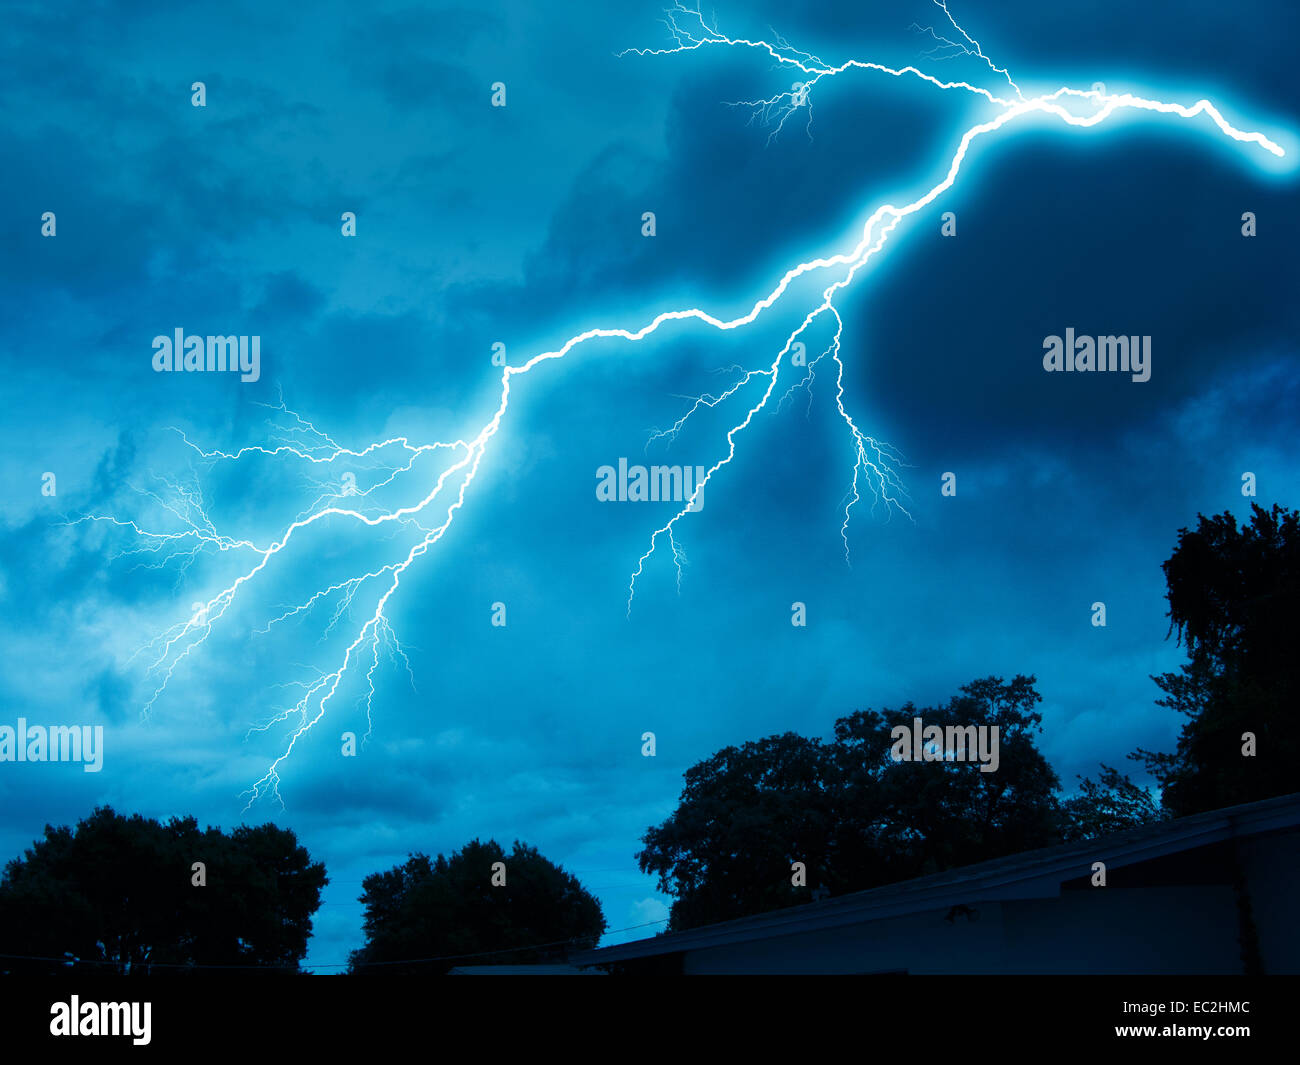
(1234, 602)
(117, 893)
(450, 909)
(854, 816)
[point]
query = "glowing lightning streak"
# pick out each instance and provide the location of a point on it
(975, 46)
(872, 458)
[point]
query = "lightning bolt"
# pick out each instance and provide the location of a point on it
(448, 468)
(946, 49)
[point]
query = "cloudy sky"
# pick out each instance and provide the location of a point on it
(522, 225)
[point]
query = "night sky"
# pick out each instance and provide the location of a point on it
(523, 225)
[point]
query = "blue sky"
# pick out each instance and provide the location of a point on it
(522, 225)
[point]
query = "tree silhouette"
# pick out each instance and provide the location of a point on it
(115, 894)
(855, 817)
(449, 909)
(1234, 600)
(936, 815)
(745, 815)
(1110, 804)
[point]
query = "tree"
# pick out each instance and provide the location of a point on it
(745, 816)
(851, 814)
(1112, 803)
(932, 816)
(116, 893)
(1234, 601)
(449, 910)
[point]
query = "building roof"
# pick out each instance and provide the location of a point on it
(1031, 874)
